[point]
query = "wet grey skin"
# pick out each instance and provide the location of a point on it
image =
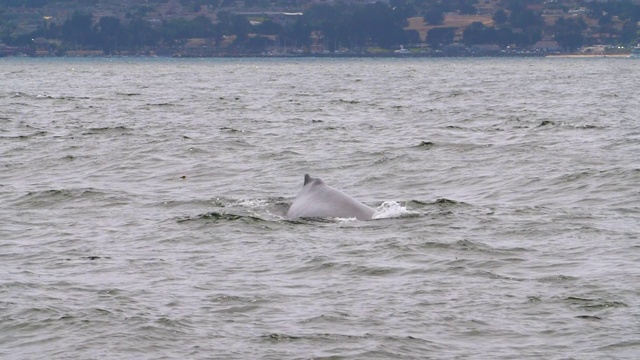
(319, 200)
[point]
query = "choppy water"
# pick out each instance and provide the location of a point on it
(141, 203)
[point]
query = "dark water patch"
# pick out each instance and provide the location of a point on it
(175, 324)
(351, 346)
(584, 126)
(230, 129)
(343, 101)
(71, 98)
(232, 305)
(196, 150)
(25, 137)
(593, 304)
(476, 246)
(557, 279)
(312, 337)
(632, 345)
(333, 128)
(426, 145)
(280, 337)
(491, 256)
(121, 129)
(19, 285)
(341, 318)
(546, 123)
(95, 257)
(418, 203)
(320, 264)
(441, 203)
(48, 97)
(494, 275)
(385, 159)
(26, 105)
(550, 123)
(238, 309)
(77, 98)
(57, 196)
(167, 104)
(441, 207)
(534, 299)
(214, 216)
(128, 94)
(364, 270)
(448, 202)
(567, 178)
(157, 330)
(225, 299)
(450, 94)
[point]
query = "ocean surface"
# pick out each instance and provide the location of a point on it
(142, 209)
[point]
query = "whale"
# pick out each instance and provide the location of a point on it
(319, 200)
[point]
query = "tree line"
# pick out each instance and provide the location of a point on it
(518, 25)
(334, 27)
(341, 25)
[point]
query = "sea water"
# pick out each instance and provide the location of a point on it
(142, 202)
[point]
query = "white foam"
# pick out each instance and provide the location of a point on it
(392, 209)
(252, 203)
(345, 220)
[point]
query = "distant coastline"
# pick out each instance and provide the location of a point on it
(280, 29)
(581, 56)
(92, 54)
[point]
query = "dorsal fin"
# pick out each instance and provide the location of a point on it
(307, 179)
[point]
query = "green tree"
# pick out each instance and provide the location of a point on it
(77, 30)
(412, 37)
(332, 22)
(500, 17)
(202, 27)
(108, 32)
(257, 44)
(240, 26)
(406, 8)
(526, 19)
(383, 26)
(141, 34)
(605, 20)
(568, 32)
(514, 5)
(434, 16)
(570, 41)
(268, 27)
(467, 7)
(181, 29)
(629, 34)
(477, 33)
(440, 36)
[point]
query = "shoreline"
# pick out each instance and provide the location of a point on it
(322, 56)
(580, 56)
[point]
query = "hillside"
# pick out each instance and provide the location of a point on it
(254, 27)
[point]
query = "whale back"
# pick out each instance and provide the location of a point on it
(317, 199)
